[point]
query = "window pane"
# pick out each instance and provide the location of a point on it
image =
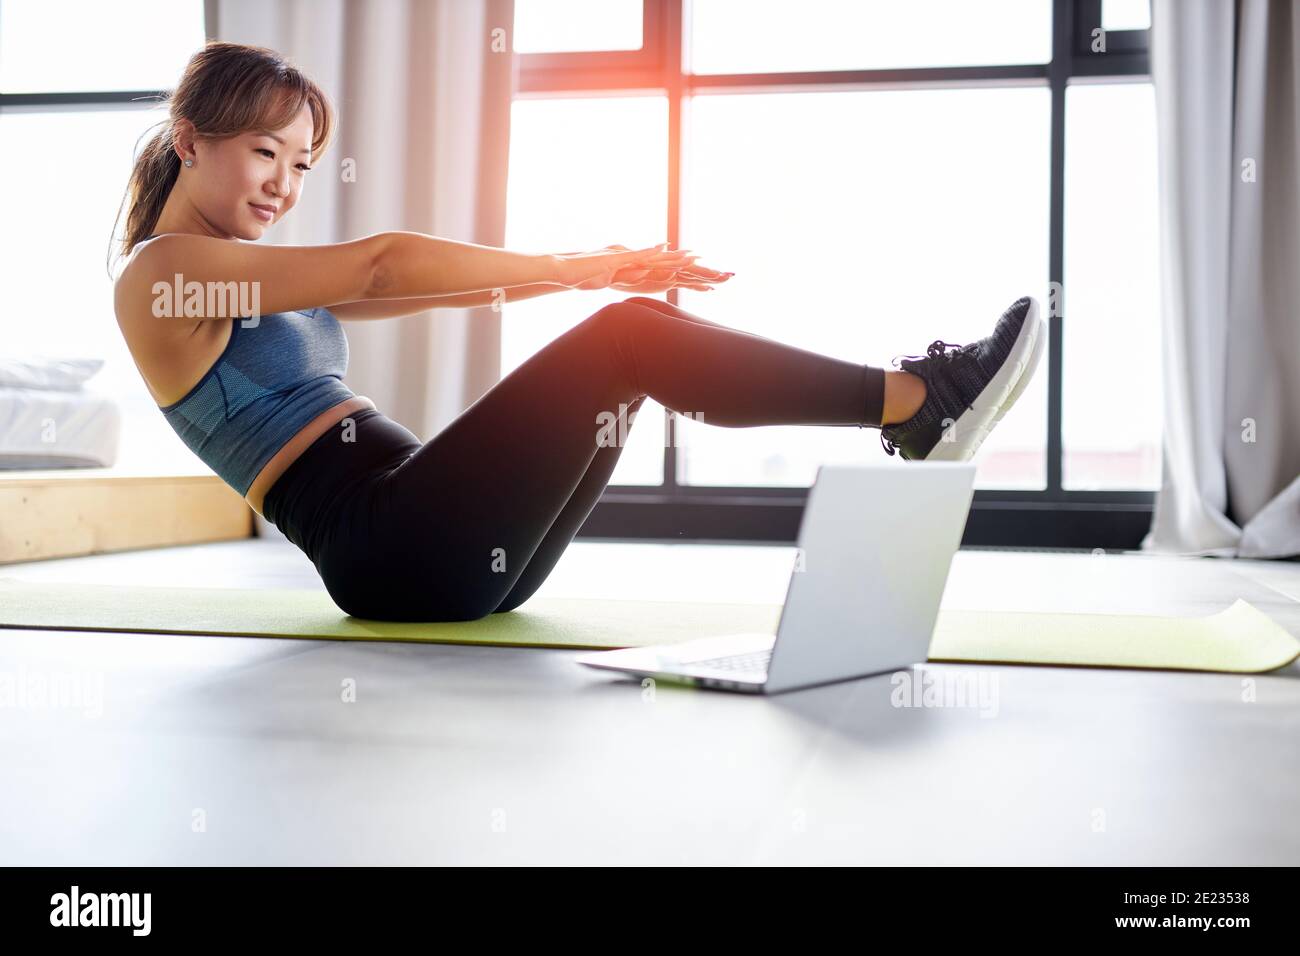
(865, 225)
(59, 298)
(765, 36)
(1111, 384)
(569, 26)
(584, 174)
(1126, 14)
(58, 46)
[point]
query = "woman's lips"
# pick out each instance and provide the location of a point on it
(264, 214)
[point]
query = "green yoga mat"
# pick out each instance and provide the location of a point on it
(1238, 639)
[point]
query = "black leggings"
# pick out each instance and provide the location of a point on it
(473, 521)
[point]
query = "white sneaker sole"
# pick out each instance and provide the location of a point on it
(963, 438)
(1040, 349)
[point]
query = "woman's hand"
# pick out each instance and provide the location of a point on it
(651, 281)
(643, 271)
(596, 270)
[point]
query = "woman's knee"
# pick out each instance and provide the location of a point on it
(627, 312)
(659, 305)
(623, 324)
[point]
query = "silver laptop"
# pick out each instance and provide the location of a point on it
(875, 545)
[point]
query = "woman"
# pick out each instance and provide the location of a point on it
(472, 521)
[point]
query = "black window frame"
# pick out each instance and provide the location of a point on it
(1051, 518)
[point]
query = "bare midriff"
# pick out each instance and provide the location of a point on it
(299, 443)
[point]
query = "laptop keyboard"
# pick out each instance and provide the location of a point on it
(754, 662)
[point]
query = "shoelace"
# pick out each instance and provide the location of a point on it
(938, 351)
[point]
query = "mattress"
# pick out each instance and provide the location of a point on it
(44, 428)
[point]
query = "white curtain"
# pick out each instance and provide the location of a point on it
(1227, 82)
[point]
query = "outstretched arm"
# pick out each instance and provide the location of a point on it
(395, 308)
(683, 273)
(410, 264)
(386, 266)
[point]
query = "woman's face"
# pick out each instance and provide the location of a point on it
(248, 182)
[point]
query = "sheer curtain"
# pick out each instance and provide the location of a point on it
(1227, 81)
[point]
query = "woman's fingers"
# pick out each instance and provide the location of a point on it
(660, 251)
(672, 262)
(631, 274)
(653, 257)
(706, 272)
(659, 268)
(651, 251)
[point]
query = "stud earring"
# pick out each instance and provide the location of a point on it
(189, 162)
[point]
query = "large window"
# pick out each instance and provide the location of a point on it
(70, 124)
(1112, 379)
(861, 189)
(774, 36)
(936, 159)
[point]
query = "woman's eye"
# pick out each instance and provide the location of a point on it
(303, 166)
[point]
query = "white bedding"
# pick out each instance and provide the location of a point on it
(42, 428)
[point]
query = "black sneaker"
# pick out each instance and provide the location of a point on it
(969, 387)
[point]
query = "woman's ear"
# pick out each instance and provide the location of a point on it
(183, 139)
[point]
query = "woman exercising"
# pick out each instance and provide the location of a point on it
(472, 521)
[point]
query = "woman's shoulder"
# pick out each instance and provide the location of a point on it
(145, 267)
(136, 299)
(134, 268)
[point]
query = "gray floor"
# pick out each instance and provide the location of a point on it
(232, 750)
